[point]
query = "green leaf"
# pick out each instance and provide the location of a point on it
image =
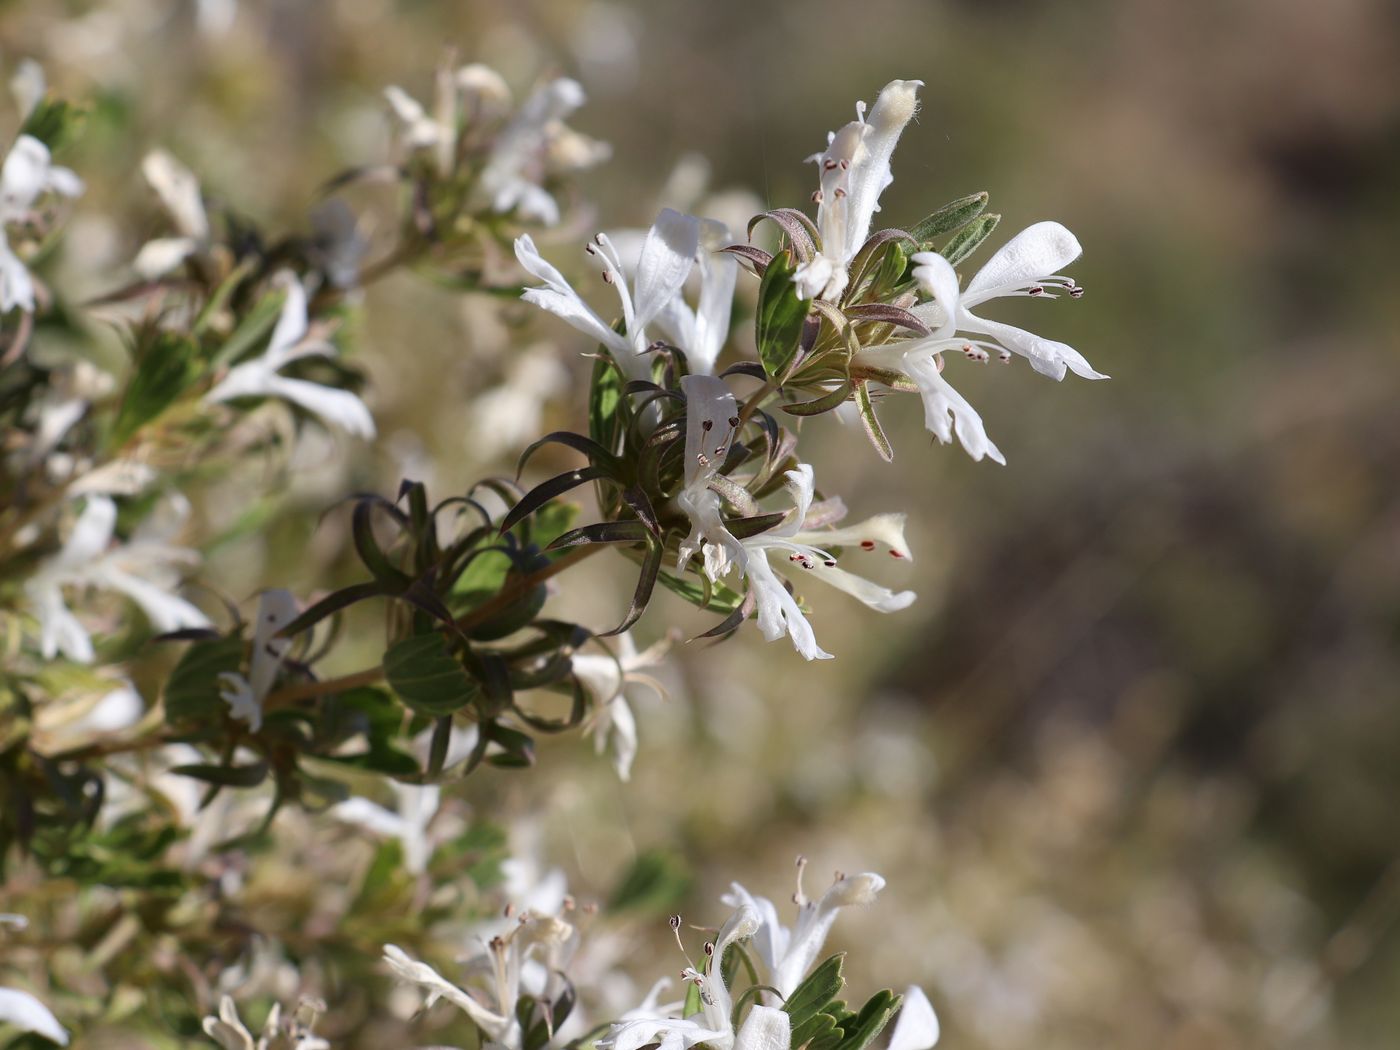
(818, 1032)
(861, 1030)
(871, 422)
(831, 400)
(192, 693)
(952, 216)
(969, 239)
(53, 122)
(812, 996)
(604, 400)
(225, 776)
(656, 882)
(780, 316)
(712, 598)
(254, 327)
(427, 677)
(163, 371)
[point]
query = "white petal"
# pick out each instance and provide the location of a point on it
(622, 737)
(178, 190)
(59, 629)
(893, 110)
(165, 611)
(371, 816)
(158, 257)
(946, 412)
(1046, 356)
(667, 258)
(884, 531)
(917, 1026)
(1037, 252)
(250, 379)
(23, 175)
(778, 611)
(16, 285)
(29, 1015)
(765, 1028)
(560, 299)
(28, 85)
(91, 534)
(337, 407)
(291, 322)
(879, 598)
(276, 609)
(938, 279)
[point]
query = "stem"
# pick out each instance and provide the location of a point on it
(481, 614)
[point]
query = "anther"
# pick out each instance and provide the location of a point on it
(867, 545)
(839, 193)
(510, 911)
(1035, 289)
(709, 948)
(1076, 292)
(816, 196)
(707, 425)
(675, 921)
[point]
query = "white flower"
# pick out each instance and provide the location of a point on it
(605, 679)
(230, 1033)
(26, 1013)
(417, 806)
(666, 260)
(765, 1028)
(494, 976)
(179, 193)
(28, 173)
(855, 169)
(535, 144)
(778, 611)
(1025, 265)
(245, 696)
(702, 332)
(712, 416)
(290, 342)
(788, 954)
(144, 569)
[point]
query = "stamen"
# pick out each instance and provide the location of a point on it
(799, 898)
(707, 425)
(816, 196)
(1076, 292)
(510, 911)
(607, 277)
(839, 193)
(1035, 289)
(867, 545)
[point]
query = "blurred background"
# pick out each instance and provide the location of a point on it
(1131, 764)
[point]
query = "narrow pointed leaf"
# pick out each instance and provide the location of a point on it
(970, 238)
(952, 216)
(871, 422)
(781, 315)
(547, 490)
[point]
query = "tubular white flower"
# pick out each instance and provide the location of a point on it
(787, 953)
(605, 679)
(711, 418)
(418, 804)
(28, 1014)
(778, 611)
(179, 193)
(1026, 265)
(703, 331)
(666, 260)
(145, 570)
(245, 695)
(713, 1025)
(855, 170)
(259, 377)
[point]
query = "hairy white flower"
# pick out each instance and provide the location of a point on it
(605, 678)
(1026, 265)
(806, 548)
(855, 170)
(666, 259)
(258, 377)
(27, 173)
(245, 695)
(145, 569)
(788, 954)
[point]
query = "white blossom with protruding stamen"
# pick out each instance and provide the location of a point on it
(145, 569)
(666, 260)
(788, 954)
(764, 1028)
(855, 170)
(778, 610)
(712, 416)
(1025, 265)
(258, 377)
